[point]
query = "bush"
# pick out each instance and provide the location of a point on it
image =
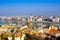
(58, 38)
(26, 38)
(13, 38)
(12, 30)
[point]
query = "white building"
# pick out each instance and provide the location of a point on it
(52, 27)
(58, 19)
(44, 30)
(39, 19)
(31, 17)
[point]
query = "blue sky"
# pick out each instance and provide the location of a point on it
(27, 7)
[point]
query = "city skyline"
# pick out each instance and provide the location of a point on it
(27, 7)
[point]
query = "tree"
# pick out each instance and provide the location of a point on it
(26, 38)
(16, 23)
(12, 30)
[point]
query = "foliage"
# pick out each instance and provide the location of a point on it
(16, 23)
(17, 31)
(13, 38)
(5, 35)
(0, 25)
(59, 23)
(26, 38)
(12, 30)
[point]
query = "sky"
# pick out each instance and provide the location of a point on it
(28, 7)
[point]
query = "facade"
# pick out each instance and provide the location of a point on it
(39, 19)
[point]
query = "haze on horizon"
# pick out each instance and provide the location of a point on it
(27, 7)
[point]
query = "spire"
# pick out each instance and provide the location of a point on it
(29, 24)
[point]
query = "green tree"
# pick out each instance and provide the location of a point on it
(16, 23)
(5, 35)
(26, 38)
(12, 30)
